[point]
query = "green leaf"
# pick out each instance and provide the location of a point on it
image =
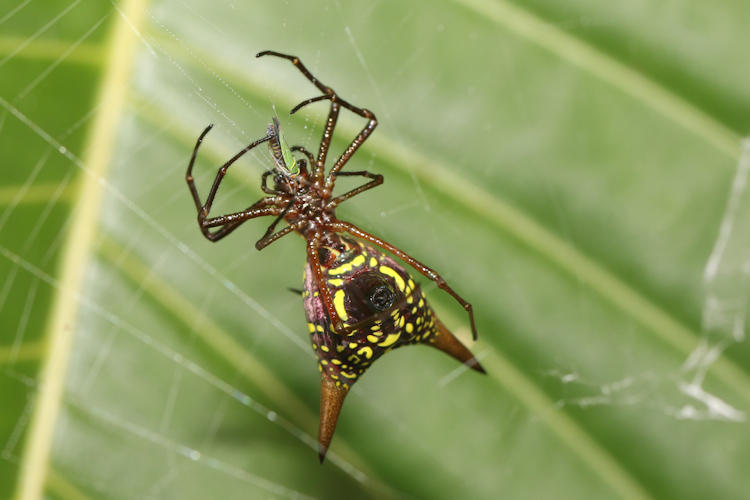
(567, 167)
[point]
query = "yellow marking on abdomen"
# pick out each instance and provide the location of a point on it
(393, 274)
(367, 351)
(390, 339)
(348, 266)
(338, 303)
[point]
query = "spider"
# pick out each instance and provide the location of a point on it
(359, 302)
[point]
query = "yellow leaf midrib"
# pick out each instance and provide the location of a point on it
(76, 251)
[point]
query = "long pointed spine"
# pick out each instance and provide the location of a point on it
(449, 344)
(331, 399)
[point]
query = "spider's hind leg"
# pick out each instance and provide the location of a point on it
(424, 270)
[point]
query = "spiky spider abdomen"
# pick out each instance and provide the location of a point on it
(380, 305)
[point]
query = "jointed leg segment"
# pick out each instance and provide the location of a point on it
(230, 222)
(313, 244)
(377, 180)
(336, 103)
(426, 271)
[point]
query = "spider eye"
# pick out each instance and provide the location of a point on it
(382, 297)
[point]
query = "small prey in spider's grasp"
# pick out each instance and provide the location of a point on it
(360, 303)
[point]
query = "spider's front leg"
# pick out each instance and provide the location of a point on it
(305, 152)
(336, 103)
(229, 222)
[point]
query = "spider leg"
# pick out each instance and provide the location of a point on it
(295, 60)
(309, 101)
(310, 159)
(325, 143)
(189, 173)
(355, 144)
(224, 231)
(229, 222)
(206, 207)
(377, 180)
(272, 228)
(267, 240)
(305, 152)
(263, 179)
(313, 244)
(336, 101)
(223, 171)
(426, 271)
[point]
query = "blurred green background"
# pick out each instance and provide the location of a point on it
(566, 166)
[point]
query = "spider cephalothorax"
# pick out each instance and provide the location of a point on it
(360, 303)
